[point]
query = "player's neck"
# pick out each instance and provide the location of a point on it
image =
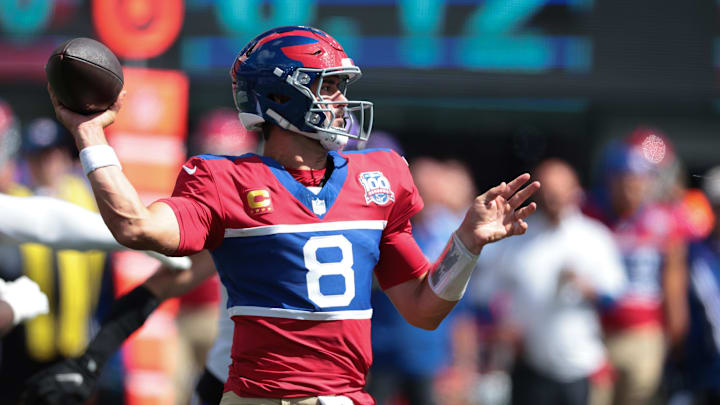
(295, 151)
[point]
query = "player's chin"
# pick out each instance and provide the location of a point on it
(339, 123)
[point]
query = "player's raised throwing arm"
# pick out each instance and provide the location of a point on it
(494, 215)
(131, 223)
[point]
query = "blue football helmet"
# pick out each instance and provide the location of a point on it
(272, 79)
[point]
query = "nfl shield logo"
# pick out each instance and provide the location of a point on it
(318, 206)
(377, 188)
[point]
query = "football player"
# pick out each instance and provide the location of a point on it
(651, 315)
(20, 299)
(295, 234)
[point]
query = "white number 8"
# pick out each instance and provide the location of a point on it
(317, 270)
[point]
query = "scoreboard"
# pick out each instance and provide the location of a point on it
(466, 48)
(498, 55)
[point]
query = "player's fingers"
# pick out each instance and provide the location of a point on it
(524, 194)
(107, 117)
(117, 105)
(515, 185)
(495, 192)
(54, 99)
(520, 227)
(517, 227)
(525, 211)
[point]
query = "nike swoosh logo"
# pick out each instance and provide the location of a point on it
(70, 377)
(189, 170)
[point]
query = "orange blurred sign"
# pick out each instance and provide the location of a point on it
(156, 102)
(138, 29)
(150, 130)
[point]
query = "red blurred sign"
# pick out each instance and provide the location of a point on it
(138, 29)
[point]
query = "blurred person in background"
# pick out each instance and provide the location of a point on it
(20, 299)
(697, 365)
(9, 146)
(46, 151)
(651, 316)
(691, 361)
(71, 280)
(408, 360)
(570, 270)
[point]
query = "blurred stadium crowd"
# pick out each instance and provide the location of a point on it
(612, 297)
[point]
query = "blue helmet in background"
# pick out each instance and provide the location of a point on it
(621, 157)
(44, 133)
(272, 78)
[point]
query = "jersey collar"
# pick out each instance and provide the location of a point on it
(327, 195)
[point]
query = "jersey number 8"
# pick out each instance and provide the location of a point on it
(317, 269)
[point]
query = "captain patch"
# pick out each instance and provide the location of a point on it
(259, 202)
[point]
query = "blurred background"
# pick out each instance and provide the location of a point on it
(480, 89)
(514, 79)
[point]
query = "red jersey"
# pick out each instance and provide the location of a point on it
(298, 265)
(642, 239)
(205, 294)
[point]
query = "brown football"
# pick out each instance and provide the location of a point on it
(85, 75)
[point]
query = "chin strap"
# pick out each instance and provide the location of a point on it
(451, 273)
(328, 140)
(333, 141)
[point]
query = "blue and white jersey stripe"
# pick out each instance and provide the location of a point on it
(316, 271)
(317, 227)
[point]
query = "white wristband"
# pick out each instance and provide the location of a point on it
(97, 156)
(450, 275)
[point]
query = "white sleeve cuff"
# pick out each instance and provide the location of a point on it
(451, 273)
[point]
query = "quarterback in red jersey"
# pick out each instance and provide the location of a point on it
(297, 233)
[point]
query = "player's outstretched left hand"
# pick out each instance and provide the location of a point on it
(496, 214)
(69, 382)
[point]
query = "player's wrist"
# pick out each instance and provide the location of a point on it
(450, 275)
(89, 133)
(469, 241)
(97, 156)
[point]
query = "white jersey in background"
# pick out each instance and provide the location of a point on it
(561, 331)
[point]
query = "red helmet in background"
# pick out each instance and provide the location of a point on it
(691, 208)
(220, 132)
(654, 146)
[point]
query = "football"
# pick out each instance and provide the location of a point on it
(85, 75)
